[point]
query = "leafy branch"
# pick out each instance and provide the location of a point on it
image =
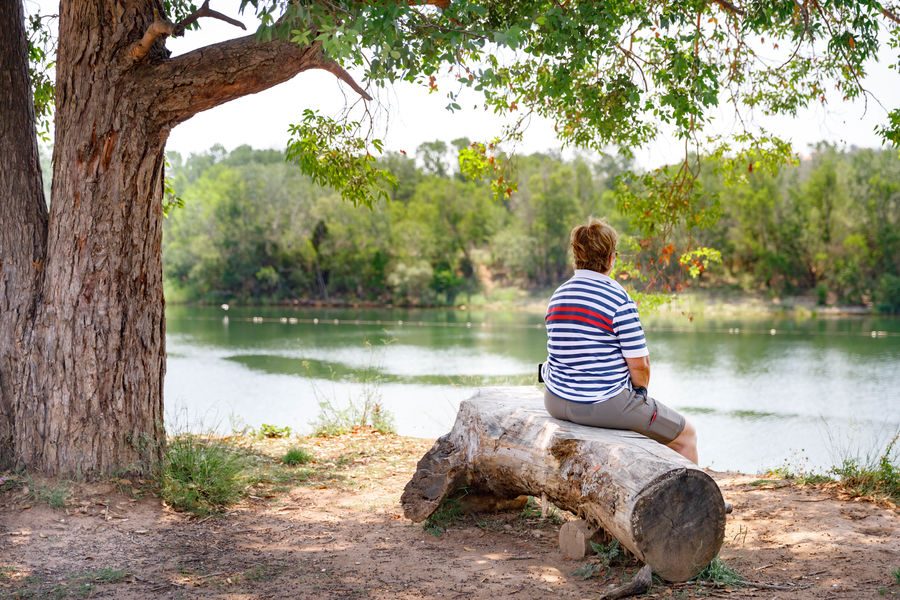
(332, 155)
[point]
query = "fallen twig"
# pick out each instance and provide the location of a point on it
(638, 585)
(756, 584)
(167, 584)
(769, 586)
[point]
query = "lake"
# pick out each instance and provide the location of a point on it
(762, 392)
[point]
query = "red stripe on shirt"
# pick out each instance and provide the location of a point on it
(581, 310)
(577, 318)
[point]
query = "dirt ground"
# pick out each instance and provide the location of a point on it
(346, 537)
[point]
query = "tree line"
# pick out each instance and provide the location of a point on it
(255, 229)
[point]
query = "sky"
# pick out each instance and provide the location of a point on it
(409, 114)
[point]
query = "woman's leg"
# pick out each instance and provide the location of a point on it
(628, 410)
(686, 443)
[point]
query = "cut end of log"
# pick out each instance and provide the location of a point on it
(681, 515)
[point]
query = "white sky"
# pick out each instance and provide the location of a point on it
(411, 115)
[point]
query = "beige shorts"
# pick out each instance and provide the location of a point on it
(625, 410)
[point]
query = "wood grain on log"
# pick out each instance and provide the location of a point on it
(660, 506)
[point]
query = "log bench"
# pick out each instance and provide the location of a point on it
(660, 506)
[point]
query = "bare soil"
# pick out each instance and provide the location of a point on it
(343, 535)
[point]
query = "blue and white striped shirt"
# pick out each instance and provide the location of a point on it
(592, 326)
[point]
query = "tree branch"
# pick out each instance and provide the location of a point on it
(326, 64)
(204, 11)
(441, 4)
(161, 27)
(890, 15)
(213, 75)
(729, 7)
(157, 28)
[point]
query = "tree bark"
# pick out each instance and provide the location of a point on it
(23, 215)
(89, 397)
(93, 396)
(659, 505)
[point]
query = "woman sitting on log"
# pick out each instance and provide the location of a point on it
(598, 364)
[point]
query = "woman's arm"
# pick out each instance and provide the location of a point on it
(640, 371)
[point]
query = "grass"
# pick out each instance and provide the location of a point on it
(338, 421)
(719, 573)
(772, 482)
(873, 478)
(605, 555)
(296, 456)
(365, 411)
(786, 477)
(896, 574)
(262, 572)
(201, 475)
(54, 494)
(80, 585)
(205, 475)
(449, 512)
(532, 511)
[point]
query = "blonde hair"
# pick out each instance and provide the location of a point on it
(594, 245)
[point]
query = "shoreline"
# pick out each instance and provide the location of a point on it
(698, 303)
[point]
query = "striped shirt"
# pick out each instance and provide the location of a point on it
(592, 326)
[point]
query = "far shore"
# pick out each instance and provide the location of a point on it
(695, 303)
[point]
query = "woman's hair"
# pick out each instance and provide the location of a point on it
(594, 245)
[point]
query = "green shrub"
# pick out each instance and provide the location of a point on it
(887, 296)
(297, 456)
(273, 431)
(201, 476)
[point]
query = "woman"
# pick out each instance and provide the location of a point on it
(598, 366)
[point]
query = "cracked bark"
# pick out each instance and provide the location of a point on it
(23, 215)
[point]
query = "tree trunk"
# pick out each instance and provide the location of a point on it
(23, 215)
(82, 348)
(660, 506)
(93, 396)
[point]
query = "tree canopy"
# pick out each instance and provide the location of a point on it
(610, 75)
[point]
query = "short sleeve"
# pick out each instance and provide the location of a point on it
(627, 327)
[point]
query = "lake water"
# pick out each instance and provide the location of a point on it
(761, 392)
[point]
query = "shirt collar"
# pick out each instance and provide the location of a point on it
(589, 274)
